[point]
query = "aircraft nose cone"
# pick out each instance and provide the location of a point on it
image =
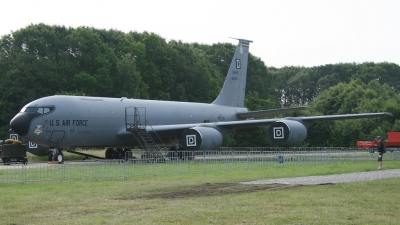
(20, 123)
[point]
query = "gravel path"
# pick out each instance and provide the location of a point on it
(332, 179)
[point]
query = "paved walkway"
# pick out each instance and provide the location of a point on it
(332, 179)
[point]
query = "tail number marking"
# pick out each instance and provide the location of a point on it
(238, 64)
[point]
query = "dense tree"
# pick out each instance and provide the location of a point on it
(128, 79)
(254, 102)
(357, 97)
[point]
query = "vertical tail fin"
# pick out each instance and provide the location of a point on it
(233, 91)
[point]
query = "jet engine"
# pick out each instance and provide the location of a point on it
(287, 132)
(201, 138)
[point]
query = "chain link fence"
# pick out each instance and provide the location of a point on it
(138, 163)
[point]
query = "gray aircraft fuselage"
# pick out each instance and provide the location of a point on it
(79, 121)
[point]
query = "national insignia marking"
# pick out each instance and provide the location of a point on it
(38, 129)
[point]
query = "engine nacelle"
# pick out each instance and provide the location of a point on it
(287, 132)
(201, 138)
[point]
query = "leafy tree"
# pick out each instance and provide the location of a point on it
(327, 81)
(93, 58)
(129, 78)
(302, 87)
(258, 78)
(156, 67)
(285, 89)
(84, 83)
(254, 102)
(356, 97)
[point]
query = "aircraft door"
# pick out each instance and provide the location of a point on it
(57, 136)
(135, 118)
(140, 117)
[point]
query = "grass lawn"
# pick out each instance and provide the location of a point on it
(213, 197)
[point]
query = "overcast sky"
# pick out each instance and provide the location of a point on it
(285, 33)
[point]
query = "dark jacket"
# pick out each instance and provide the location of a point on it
(381, 147)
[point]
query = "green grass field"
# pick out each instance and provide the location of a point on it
(212, 197)
(67, 155)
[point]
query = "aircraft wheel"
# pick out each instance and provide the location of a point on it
(7, 161)
(110, 153)
(120, 153)
(59, 159)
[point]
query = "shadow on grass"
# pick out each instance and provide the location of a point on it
(216, 189)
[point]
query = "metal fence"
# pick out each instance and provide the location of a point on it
(138, 163)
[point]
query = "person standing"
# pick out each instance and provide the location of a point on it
(381, 150)
(52, 153)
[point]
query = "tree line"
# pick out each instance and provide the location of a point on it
(41, 60)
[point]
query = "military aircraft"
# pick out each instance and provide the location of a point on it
(81, 121)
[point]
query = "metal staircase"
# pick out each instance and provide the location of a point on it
(137, 124)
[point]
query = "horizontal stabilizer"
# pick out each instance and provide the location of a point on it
(269, 112)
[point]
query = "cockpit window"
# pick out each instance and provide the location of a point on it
(30, 109)
(41, 110)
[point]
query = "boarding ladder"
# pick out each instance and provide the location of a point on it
(137, 124)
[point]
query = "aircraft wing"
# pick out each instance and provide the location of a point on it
(171, 130)
(176, 130)
(343, 116)
(269, 112)
(244, 124)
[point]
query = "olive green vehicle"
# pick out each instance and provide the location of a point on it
(11, 152)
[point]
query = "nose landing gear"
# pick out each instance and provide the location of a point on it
(55, 156)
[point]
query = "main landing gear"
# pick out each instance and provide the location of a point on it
(118, 153)
(55, 156)
(173, 154)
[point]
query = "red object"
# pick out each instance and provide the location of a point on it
(393, 136)
(365, 144)
(393, 141)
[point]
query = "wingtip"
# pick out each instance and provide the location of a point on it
(387, 114)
